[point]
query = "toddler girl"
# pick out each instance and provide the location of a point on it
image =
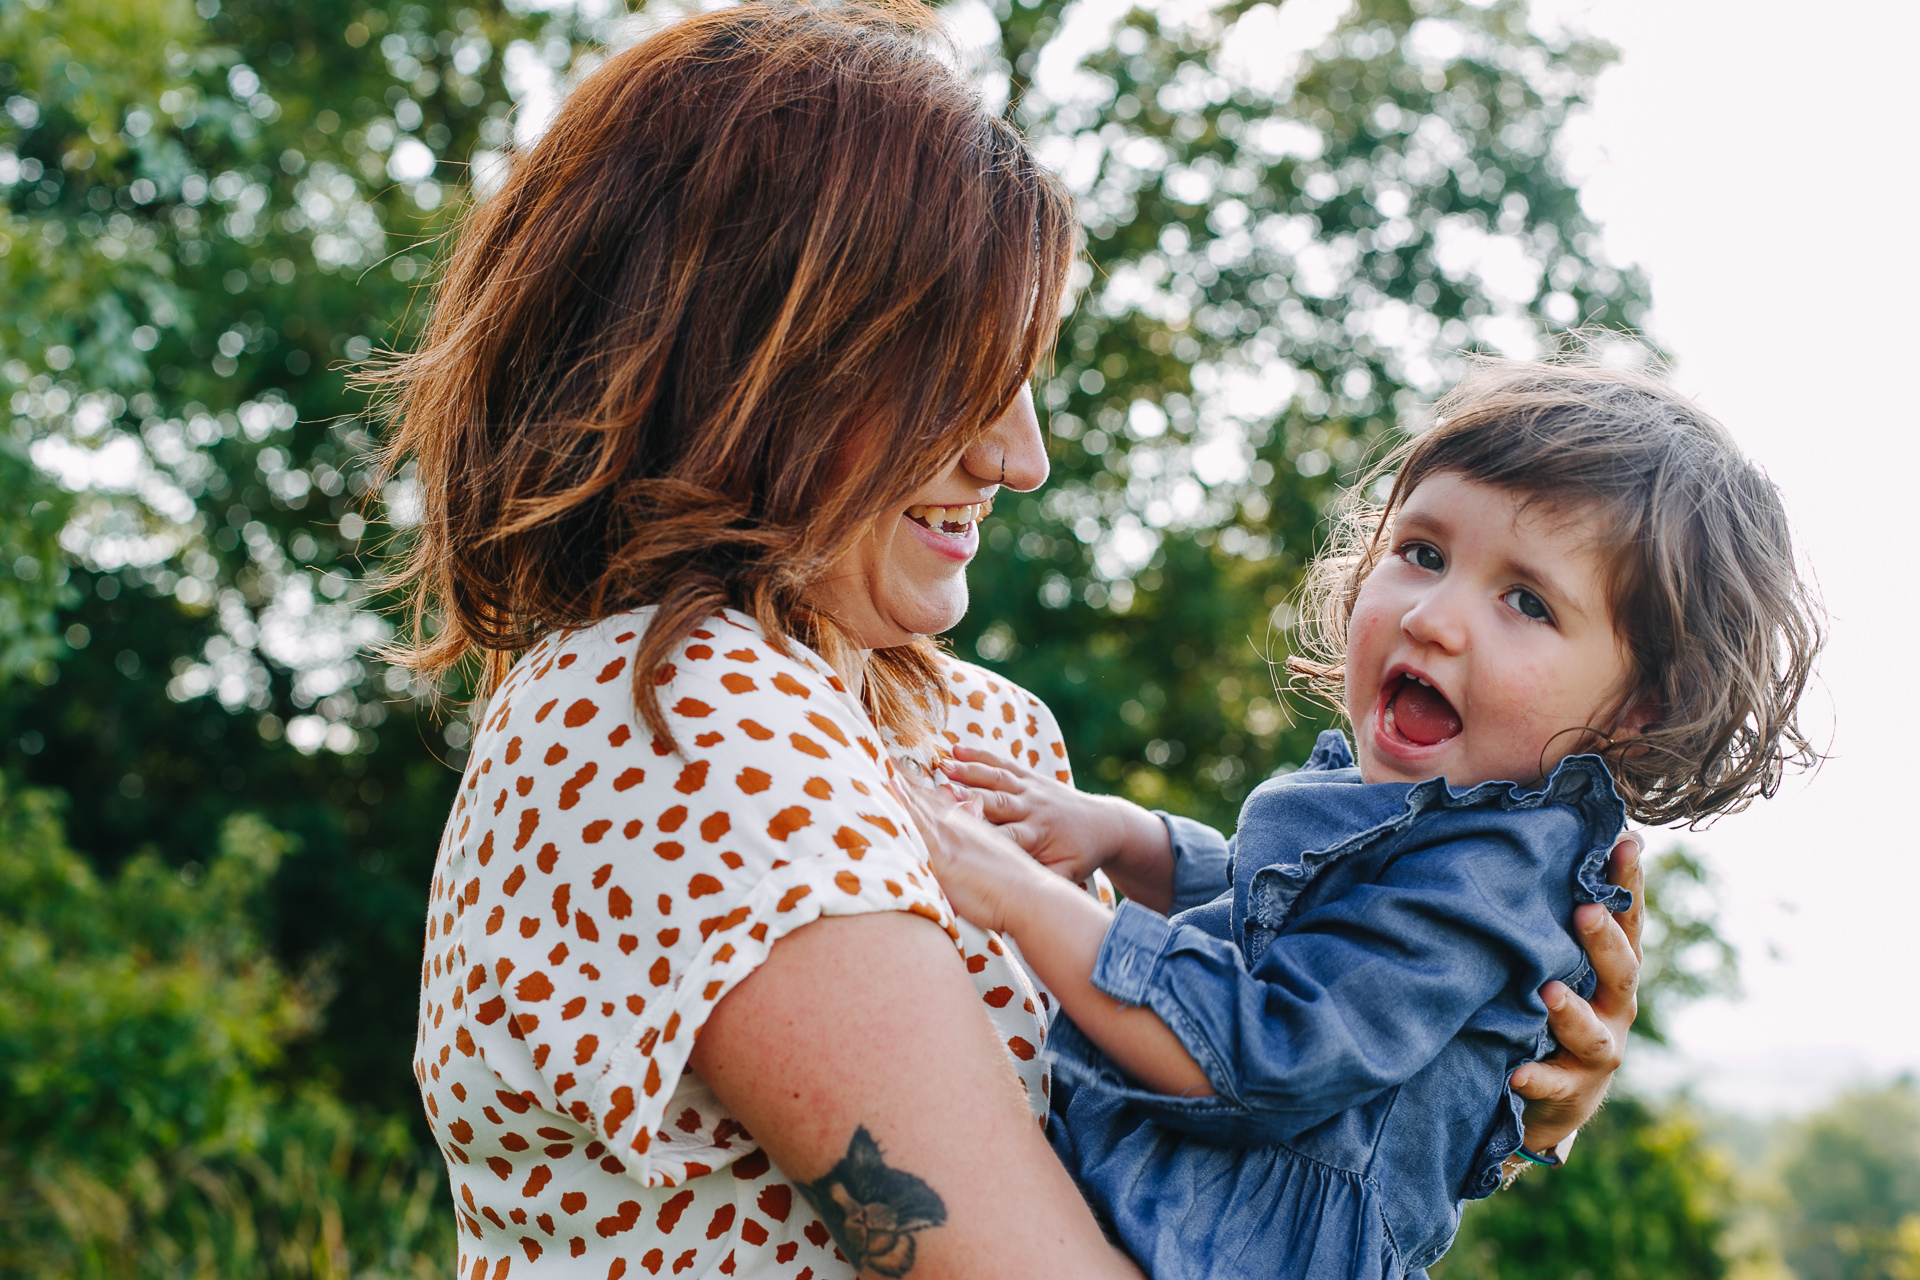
(1577, 604)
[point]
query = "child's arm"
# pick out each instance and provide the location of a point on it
(1358, 996)
(993, 883)
(1069, 831)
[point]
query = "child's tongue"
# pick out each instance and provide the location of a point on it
(1422, 715)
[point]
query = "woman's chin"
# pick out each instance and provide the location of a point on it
(925, 614)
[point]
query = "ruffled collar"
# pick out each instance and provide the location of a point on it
(1292, 828)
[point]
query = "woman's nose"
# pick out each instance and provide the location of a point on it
(1012, 452)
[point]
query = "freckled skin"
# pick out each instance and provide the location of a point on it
(904, 581)
(1503, 609)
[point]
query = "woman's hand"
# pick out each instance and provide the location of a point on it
(1068, 831)
(1563, 1091)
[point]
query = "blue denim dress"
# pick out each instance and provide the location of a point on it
(1357, 973)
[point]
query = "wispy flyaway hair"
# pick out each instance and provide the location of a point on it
(766, 273)
(1721, 630)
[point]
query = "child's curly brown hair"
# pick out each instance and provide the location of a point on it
(1721, 629)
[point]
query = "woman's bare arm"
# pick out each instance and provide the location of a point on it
(860, 1058)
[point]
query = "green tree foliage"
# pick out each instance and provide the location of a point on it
(1644, 1198)
(1852, 1178)
(1684, 956)
(34, 575)
(206, 211)
(135, 1011)
(144, 1127)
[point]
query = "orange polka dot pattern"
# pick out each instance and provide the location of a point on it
(596, 894)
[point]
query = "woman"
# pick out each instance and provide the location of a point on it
(715, 392)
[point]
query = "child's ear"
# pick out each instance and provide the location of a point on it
(1640, 713)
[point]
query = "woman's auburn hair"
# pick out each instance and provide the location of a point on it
(1720, 629)
(768, 272)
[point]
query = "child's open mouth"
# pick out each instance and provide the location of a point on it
(1419, 713)
(951, 522)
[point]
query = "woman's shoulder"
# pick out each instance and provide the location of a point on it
(987, 710)
(601, 889)
(727, 693)
(726, 659)
(768, 754)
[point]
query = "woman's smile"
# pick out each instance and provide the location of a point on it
(909, 577)
(950, 531)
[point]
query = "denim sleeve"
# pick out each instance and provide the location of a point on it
(1201, 859)
(1357, 996)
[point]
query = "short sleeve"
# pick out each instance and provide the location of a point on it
(623, 887)
(987, 711)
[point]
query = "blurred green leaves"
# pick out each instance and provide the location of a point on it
(1685, 958)
(326, 1194)
(207, 212)
(137, 1012)
(1643, 1198)
(34, 576)
(1852, 1180)
(147, 1125)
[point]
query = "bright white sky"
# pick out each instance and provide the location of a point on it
(1754, 158)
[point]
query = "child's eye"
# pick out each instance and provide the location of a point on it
(1528, 604)
(1422, 556)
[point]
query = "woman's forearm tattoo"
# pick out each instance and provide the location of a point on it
(872, 1210)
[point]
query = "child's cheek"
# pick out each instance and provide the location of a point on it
(1364, 639)
(1527, 704)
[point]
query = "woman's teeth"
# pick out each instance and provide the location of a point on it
(953, 521)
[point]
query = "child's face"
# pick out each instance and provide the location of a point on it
(1503, 612)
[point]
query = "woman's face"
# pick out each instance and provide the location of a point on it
(909, 577)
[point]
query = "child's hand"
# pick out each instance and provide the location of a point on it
(985, 875)
(1067, 831)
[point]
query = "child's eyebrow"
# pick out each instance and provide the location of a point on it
(1404, 519)
(1549, 585)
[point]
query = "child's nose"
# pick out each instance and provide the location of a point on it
(1437, 619)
